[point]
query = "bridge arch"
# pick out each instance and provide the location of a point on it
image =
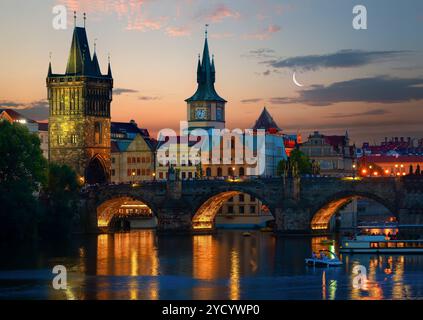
(208, 206)
(122, 206)
(323, 212)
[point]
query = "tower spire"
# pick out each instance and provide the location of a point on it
(49, 66)
(109, 71)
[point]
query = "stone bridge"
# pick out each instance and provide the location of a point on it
(298, 205)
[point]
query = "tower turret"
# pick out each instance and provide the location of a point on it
(206, 109)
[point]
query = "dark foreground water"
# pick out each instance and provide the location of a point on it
(142, 265)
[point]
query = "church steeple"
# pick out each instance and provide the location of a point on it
(206, 78)
(95, 64)
(109, 69)
(49, 69)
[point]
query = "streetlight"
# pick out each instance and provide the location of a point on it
(354, 167)
(233, 173)
(154, 176)
(133, 176)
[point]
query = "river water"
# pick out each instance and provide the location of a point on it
(226, 265)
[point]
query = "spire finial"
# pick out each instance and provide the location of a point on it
(49, 56)
(95, 45)
(207, 31)
(108, 57)
(74, 18)
(85, 19)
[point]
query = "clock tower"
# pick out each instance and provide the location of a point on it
(206, 109)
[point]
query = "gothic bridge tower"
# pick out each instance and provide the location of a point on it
(79, 119)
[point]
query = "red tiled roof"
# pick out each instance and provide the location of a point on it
(380, 159)
(335, 141)
(16, 115)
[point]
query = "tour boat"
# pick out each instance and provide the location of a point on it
(379, 244)
(323, 260)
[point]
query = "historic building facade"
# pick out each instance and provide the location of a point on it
(79, 120)
(334, 154)
(133, 153)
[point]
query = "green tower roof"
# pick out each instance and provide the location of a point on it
(206, 76)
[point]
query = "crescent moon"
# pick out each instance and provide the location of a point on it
(296, 82)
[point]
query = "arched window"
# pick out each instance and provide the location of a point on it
(208, 172)
(219, 172)
(241, 172)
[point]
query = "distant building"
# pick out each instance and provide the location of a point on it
(13, 116)
(334, 154)
(391, 166)
(174, 152)
(43, 134)
(393, 147)
(132, 153)
(41, 129)
(274, 143)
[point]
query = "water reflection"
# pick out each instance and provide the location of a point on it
(226, 265)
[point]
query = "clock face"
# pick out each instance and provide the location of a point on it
(201, 113)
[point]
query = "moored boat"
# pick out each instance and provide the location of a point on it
(379, 244)
(324, 260)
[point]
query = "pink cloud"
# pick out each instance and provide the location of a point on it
(132, 10)
(177, 32)
(265, 33)
(221, 12)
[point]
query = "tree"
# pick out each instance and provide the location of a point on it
(411, 171)
(418, 170)
(297, 162)
(60, 200)
(22, 174)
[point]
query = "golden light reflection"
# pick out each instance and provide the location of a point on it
(204, 257)
(234, 276)
(131, 255)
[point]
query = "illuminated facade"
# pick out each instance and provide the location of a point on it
(132, 153)
(79, 121)
(334, 154)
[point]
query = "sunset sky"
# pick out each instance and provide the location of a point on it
(369, 82)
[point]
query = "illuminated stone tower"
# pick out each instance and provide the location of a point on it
(206, 109)
(79, 120)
